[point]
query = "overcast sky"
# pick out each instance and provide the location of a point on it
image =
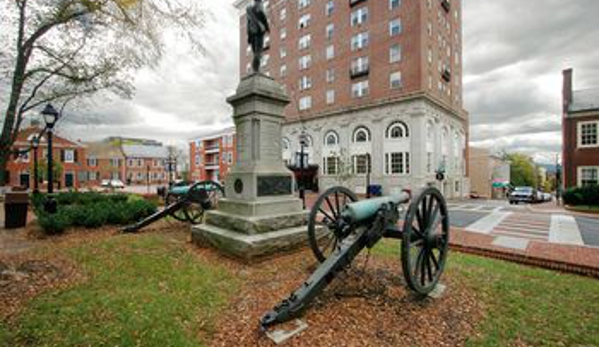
(514, 52)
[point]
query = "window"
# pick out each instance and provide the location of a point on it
(330, 7)
(393, 4)
(397, 163)
(395, 80)
(286, 144)
(397, 130)
(305, 82)
(140, 163)
(330, 97)
(331, 139)
(304, 21)
(361, 134)
(330, 165)
(330, 30)
(360, 89)
(282, 52)
(330, 75)
(92, 162)
(69, 156)
(305, 103)
(330, 52)
(395, 27)
(305, 62)
(588, 176)
(362, 164)
(359, 65)
(359, 16)
(588, 134)
(283, 14)
(395, 53)
(303, 3)
(304, 41)
(265, 60)
(198, 160)
(283, 70)
(283, 34)
(359, 41)
(23, 155)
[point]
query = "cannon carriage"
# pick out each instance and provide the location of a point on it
(340, 227)
(185, 203)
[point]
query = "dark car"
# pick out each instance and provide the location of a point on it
(523, 194)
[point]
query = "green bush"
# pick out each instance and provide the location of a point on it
(587, 196)
(90, 210)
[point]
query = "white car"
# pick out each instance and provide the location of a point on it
(117, 184)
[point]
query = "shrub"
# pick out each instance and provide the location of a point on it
(53, 224)
(582, 196)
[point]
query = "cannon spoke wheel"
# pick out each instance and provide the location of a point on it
(206, 197)
(325, 227)
(179, 214)
(425, 241)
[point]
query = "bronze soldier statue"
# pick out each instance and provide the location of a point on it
(257, 27)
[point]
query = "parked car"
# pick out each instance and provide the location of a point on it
(117, 184)
(523, 194)
(105, 184)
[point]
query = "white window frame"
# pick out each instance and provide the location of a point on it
(305, 82)
(305, 103)
(395, 53)
(359, 130)
(328, 170)
(579, 134)
(359, 16)
(330, 52)
(360, 89)
(395, 27)
(330, 75)
(395, 81)
(304, 42)
(331, 135)
(329, 31)
(329, 8)
(404, 165)
(69, 156)
(303, 4)
(580, 170)
(393, 4)
(304, 21)
(361, 164)
(305, 62)
(360, 41)
(330, 96)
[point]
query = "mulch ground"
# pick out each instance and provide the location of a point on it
(368, 305)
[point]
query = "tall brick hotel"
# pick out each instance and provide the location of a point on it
(378, 79)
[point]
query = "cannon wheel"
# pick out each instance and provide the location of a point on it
(210, 193)
(326, 214)
(425, 241)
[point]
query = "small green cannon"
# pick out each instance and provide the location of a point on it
(340, 227)
(185, 204)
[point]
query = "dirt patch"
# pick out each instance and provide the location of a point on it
(368, 305)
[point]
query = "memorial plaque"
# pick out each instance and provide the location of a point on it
(274, 185)
(238, 186)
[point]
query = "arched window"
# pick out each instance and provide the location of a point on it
(331, 139)
(361, 134)
(397, 130)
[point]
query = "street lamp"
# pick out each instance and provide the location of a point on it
(50, 117)
(303, 142)
(35, 142)
(368, 168)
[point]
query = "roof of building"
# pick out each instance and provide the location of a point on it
(215, 134)
(585, 100)
(103, 150)
(141, 151)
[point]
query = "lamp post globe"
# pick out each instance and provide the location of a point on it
(50, 116)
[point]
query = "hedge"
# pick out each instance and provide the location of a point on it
(586, 196)
(90, 210)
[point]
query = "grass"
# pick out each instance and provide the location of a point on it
(524, 305)
(584, 208)
(141, 290)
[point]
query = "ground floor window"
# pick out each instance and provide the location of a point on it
(429, 162)
(330, 165)
(397, 163)
(361, 164)
(589, 176)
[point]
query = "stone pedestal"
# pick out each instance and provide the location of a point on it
(260, 215)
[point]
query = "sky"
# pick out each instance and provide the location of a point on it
(514, 52)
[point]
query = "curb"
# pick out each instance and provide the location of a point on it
(578, 269)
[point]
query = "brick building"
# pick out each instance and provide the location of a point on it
(145, 164)
(212, 155)
(70, 155)
(105, 161)
(370, 79)
(489, 174)
(580, 129)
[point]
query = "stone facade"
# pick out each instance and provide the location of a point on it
(433, 137)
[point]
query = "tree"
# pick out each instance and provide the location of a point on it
(42, 170)
(523, 170)
(66, 50)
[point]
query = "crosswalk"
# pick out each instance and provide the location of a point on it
(516, 227)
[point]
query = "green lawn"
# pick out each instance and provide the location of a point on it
(142, 290)
(524, 304)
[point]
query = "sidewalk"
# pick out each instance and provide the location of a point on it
(581, 260)
(12, 241)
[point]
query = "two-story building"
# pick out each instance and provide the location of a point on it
(145, 164)
(580, 129)
(105, 161)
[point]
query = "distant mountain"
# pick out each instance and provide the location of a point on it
(549, 167)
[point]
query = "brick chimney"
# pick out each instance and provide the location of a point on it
(567, 90)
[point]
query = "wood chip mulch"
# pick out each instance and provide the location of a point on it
(367, 305)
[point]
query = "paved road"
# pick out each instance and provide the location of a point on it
(514, 226)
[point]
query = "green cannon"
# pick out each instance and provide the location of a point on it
(185, 204)
(340, 227)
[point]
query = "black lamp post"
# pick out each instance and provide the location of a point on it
(368, 168)
(50, 117)
(35, 142)
(302, 187)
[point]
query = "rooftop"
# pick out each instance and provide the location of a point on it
(585, 100)
(141, 151)
(215, 134)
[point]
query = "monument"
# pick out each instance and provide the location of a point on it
(260, 215)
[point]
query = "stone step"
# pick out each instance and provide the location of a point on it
(256, 225)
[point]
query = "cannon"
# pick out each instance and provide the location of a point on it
(185, 204)
(340, 227)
